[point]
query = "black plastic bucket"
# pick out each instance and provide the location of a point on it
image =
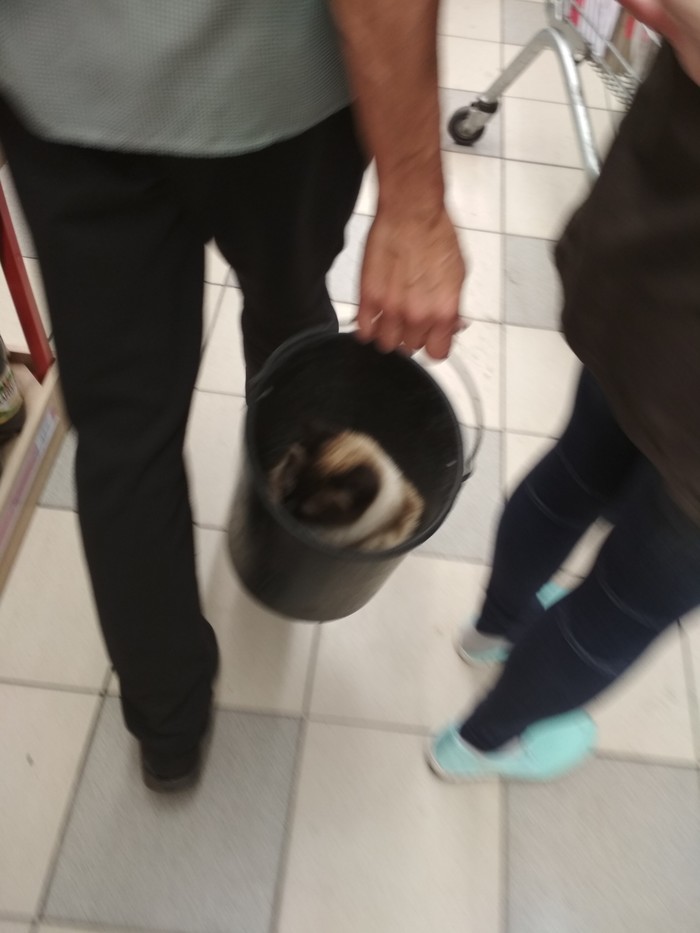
(335, 378)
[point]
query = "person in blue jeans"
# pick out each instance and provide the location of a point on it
(631, 277)
(563, 649)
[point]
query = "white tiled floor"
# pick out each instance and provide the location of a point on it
(319, 814)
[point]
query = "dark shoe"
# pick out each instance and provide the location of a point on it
(171, 772)
(168, 773)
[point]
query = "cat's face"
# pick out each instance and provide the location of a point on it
(328, 478)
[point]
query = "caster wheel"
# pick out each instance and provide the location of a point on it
(458, 128)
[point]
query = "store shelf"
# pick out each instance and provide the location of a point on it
(26, 460)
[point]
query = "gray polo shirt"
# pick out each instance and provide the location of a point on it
(186, 77)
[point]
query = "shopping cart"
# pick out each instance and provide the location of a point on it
(596, 31)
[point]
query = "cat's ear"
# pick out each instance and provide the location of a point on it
(285, 476)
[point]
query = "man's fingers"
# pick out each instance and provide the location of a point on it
(389, 331)
(439, 341)
(367, 320)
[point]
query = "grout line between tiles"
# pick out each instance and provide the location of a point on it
(95, 926)
(68, 813)
(508, 95)
(51, 507)
(57, 688)
(691, 690)
(286, 848)
(504, 841)
(503, 384)
(311, 671)
(256, 711)
(452, 35)
(348, 722)
(450, 558)
(646, 761)
(202, 391)
(208, 330)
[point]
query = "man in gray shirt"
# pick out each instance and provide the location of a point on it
(138, 131)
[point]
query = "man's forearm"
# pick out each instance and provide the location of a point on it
(390, 51)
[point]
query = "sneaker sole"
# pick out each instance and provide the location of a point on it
(171, 785)
(473, 660)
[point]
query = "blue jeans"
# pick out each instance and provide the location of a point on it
(646, 576)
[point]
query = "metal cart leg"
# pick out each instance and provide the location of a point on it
(469, 123)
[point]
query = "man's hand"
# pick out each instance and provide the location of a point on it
(413, 272)
(411, 281)
(676, 20)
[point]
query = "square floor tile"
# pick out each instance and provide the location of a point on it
(199, 862)
(467, 63)
(469, 529)
(691, 629)
(367, 198)
(542, 80)
(264, 659)
(478, 349)
(482, 292)
(540, 199)
(48, 631)
(647, 713)
(344, 277)
(214, 440)
(11, 331)
(533, 295)
(346, 313)
(37, 283)
(522, 20)
(490, 142)
(59, 491)
(223, 366)
(42, 737)
(613, 847)
(471, 19)
(216, 269)
(535, 131)
(580, 562)
(473, 190)
(212, 299)
(541, 377)
(522, 452)
(394, 661)
(380, 845)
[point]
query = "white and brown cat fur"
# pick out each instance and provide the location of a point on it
(346, 489)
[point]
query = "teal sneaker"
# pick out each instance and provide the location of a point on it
(481, 650)
(546, 750)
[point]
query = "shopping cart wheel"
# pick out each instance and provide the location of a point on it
(458, 127)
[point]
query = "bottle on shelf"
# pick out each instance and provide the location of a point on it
(12, 410)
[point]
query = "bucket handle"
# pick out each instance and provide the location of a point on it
(470, 388)
(463, 373)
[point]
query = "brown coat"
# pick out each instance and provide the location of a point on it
(630, 267)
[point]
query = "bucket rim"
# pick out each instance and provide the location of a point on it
(297, 529)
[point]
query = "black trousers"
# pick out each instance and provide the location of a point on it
(120, 240)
